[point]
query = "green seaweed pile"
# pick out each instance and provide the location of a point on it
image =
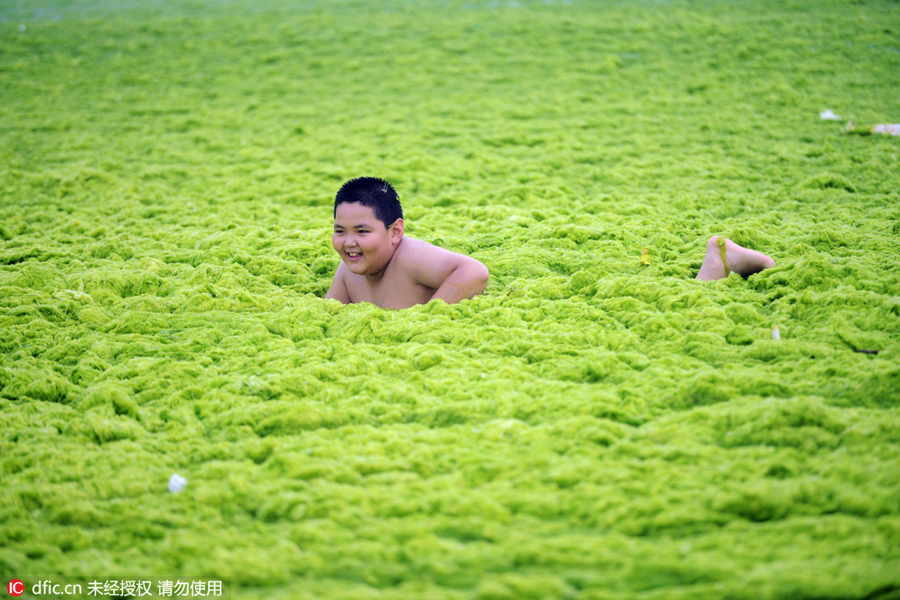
(592, 427)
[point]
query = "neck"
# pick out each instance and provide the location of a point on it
(377, 275)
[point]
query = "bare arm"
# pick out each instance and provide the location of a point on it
(338, 290)
(454, 276)
(466, 281)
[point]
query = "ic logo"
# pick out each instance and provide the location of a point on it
(15, 588)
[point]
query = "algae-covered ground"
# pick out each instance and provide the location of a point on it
(589, 428)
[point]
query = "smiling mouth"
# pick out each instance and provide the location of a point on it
(354, 255)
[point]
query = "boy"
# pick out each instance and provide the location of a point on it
(381, 266)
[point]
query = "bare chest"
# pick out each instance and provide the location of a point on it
(392, 291)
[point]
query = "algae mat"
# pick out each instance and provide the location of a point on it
(591, 427)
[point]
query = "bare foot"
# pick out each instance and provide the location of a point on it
(741, 260)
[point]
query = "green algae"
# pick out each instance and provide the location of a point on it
(590, 427)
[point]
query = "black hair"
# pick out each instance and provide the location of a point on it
(377, 194)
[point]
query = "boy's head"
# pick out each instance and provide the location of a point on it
(374, 193)
(368, 225)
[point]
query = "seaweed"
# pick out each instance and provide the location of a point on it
(598, 424)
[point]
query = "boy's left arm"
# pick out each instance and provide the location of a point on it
(454, 276)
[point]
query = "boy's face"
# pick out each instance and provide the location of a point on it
(364, 243)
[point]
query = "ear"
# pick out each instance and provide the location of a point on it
(396, 231)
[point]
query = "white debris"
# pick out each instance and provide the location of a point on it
(776, 334)
(888, 128)
(885, 128)
(828, 115)
(176, 483)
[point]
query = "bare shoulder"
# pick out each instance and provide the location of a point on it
(412, 247)
(428, 264)
(339, 290)
(413, 253)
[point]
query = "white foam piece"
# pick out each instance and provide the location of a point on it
(888, 128)
(176, 483)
